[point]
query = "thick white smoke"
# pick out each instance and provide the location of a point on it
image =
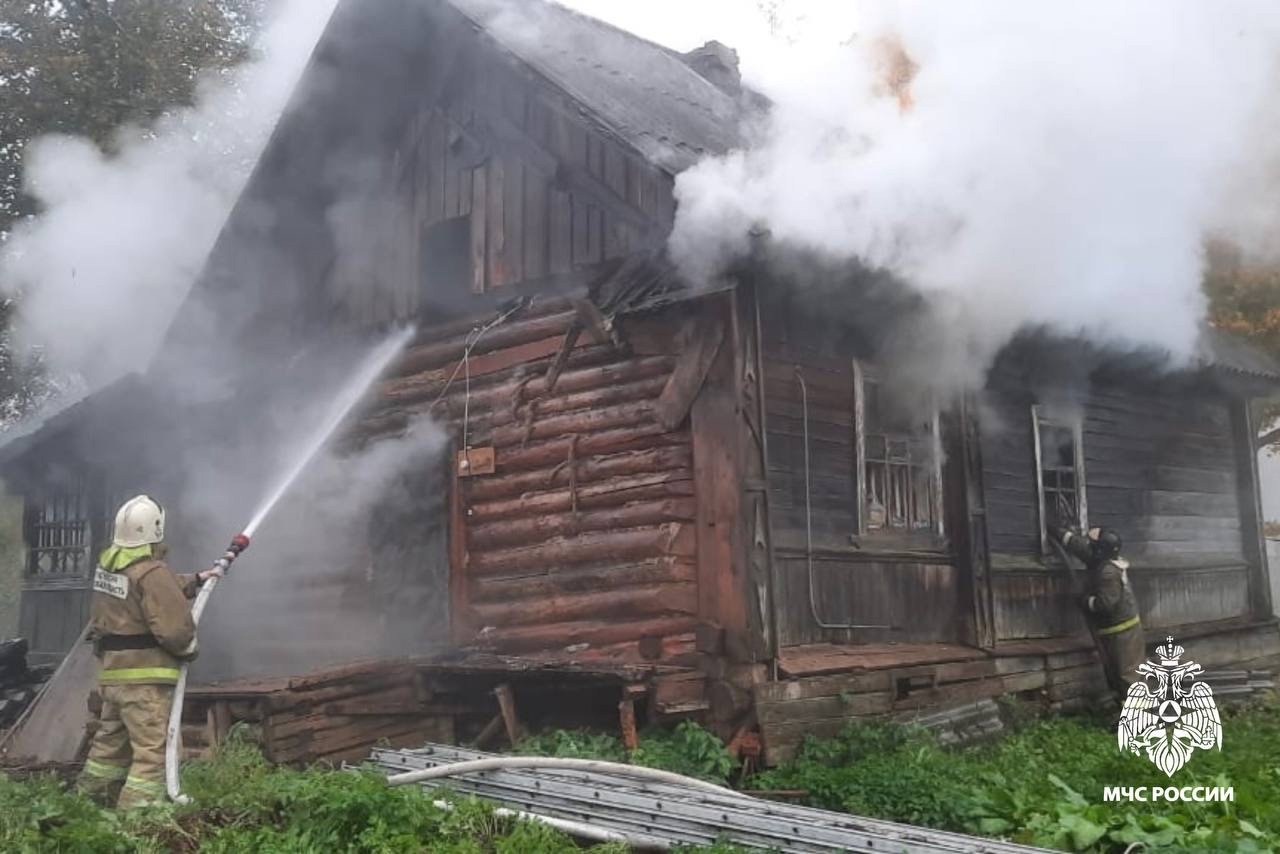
(1043, 163)
(120, 239)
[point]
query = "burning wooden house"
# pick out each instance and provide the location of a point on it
(682, 497)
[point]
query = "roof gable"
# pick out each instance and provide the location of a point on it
(642, 91)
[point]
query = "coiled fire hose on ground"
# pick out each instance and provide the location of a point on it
(173, 736)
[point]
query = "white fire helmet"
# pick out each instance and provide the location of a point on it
(139, 522)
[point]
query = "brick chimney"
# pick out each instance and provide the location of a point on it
(718, 64)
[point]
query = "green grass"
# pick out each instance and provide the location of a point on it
(1042, 785)
(243, 804)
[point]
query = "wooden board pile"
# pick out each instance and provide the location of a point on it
(333, 715)
(19, 682)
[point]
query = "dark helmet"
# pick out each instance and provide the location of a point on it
(1108, 544)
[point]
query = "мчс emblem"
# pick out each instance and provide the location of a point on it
(1169, 713)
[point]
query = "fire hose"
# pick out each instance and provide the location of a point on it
(173, 736)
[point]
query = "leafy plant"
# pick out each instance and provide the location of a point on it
(1044, 784)
(688, 749)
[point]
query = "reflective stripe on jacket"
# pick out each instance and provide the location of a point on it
(141, 599)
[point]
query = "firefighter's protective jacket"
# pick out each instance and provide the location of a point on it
(140, 618)
(1110, 599)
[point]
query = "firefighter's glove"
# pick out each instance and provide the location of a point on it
(216, 572)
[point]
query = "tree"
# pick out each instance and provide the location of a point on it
(1244, 300)
(86, 68)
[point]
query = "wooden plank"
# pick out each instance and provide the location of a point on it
(581, 218)
(626, 603)
(507, 706)
(597, 633)
(671, 538)
(495, 228)
(704, 337)
(861, 682)
(972, 542)
(434, 151)
(563, 580)
(53, 729)
(479, 229)
(445, 353)
(716, 461)
(595, 233)
(816, 659)
(513, 220)
(588, 470)
(459, 593)
(638, 414)
(823, 708)
(535, 224)
(538, 455)
(560, 233)
(514, 532)
(637, 392)
(609, 493)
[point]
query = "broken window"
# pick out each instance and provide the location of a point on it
(59, 534)
(900, 460)
(1059, 471)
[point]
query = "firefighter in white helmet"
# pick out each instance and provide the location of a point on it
(142, 629)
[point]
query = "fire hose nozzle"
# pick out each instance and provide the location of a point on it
(239, 543)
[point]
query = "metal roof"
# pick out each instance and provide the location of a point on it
(642, 91)
(33, 430)
(1222, 350)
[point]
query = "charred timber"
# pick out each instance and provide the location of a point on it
(593, 632)
(517, 532)
(513, 333)
(609, 493)
(671, 538)
(678, 457)
(555, 451)
(632, 602)
(591, 367)
(578, 580)
(537, 409)
(588, 421)
(538, 307)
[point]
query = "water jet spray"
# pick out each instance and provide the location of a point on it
(345, 402)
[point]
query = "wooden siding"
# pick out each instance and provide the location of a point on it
(914, 594)
(915, 600)
(1161, 468)
(542, 189)
(584, 531)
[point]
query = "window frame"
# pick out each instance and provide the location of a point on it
(937, 531)
(1044, 416)
(61, 496)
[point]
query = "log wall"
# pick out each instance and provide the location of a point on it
(583, 533)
